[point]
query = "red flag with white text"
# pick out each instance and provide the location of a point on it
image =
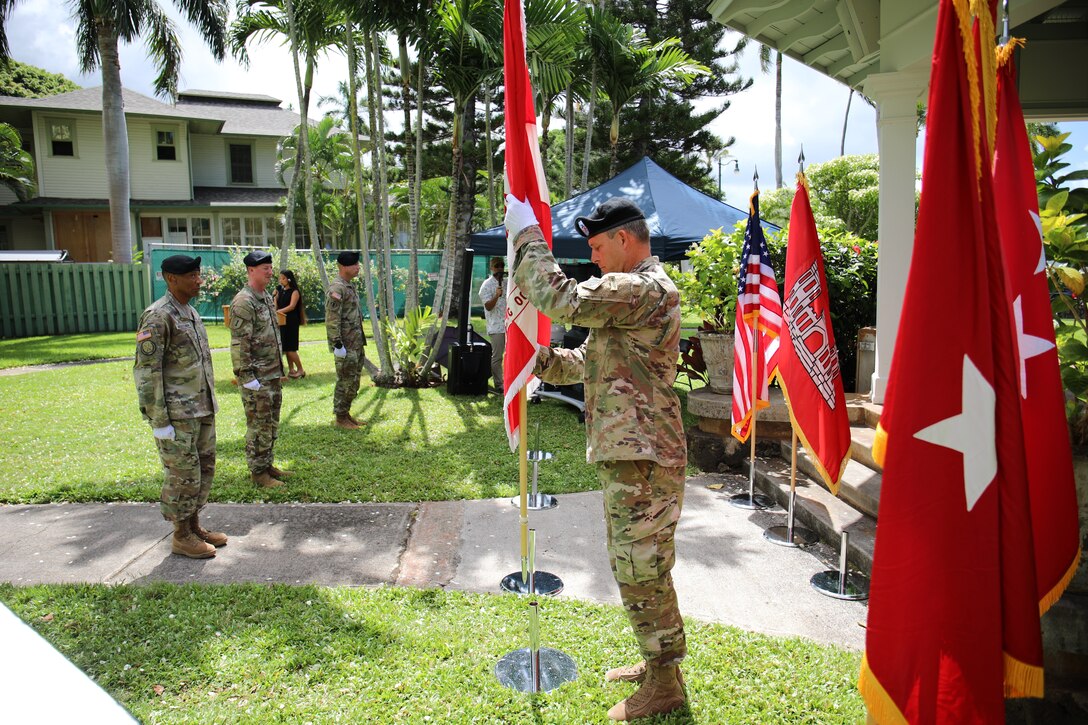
(527, 329)
(953, 625)
(1042, 400)
(808, 359)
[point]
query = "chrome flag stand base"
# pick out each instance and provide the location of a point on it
(842, 584)
(544, 583)
(534, 668)
(790, 535)
(537, 501)
(528, 580)
(751, 501)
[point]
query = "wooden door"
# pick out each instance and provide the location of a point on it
(85, 234)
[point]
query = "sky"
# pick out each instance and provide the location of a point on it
(42, 33)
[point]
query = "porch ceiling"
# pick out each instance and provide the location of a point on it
(849, 40)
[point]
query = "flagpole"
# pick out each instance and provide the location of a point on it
(790, 535)
(523, 480)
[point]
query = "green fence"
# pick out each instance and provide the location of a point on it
(64, 298)
(218, 257)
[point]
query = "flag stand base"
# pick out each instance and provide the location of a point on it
(544, 583)
(751, 501)
(781, 535)
(842, 584)
(515, 670)
(852, 587)
(537, 501)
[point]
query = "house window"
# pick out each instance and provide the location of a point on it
(166, 145)
(241, 163)
(201, 230)
(177, 231)
(62, 137)
(232, 231)
(254, 230)
(273, 231)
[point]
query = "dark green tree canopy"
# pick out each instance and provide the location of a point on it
(27, 81)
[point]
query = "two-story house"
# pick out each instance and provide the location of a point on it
(202, 171)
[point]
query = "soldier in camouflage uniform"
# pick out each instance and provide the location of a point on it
(344, 329)
(255, 352)
(633, 427)
(175, 385)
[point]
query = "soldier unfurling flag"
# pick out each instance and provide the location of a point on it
(758, 324)
(808, 360)
(526, 328)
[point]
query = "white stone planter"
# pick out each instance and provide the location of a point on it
(718, 356)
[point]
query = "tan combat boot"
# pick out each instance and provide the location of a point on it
(215, 538)
(188, 544)
(265, 480)
(279, 473)
(345, 422)
(634, 673)
(355, 420)
(661, 692)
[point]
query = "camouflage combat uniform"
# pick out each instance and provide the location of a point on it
(255, 353)
(634, 432)
(344, 324)
(175, 385)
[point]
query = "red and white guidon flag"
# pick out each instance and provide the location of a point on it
(526, 328)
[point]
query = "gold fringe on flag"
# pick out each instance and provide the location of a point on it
(832, 482)
(882, 707)
(988, 55)
(963, 14)
(880, 445)
(1022, 679)
(1055, 594)
(803, 181)
(1005, 52)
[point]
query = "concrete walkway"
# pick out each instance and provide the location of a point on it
(725, 572)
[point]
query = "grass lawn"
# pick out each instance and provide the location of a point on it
(105, 345)
(279, 654)
(75, 434)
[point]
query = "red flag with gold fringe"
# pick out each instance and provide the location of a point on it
(953, 624)
(1042, 400)
(808, 359)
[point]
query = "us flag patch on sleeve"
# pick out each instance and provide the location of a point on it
(335, 295)
(143, 335)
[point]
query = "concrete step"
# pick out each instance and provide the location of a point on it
(816, 509)
(861, 446)
(859, 485)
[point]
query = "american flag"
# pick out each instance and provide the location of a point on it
(759, 322)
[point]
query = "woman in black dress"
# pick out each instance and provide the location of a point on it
(289, 306)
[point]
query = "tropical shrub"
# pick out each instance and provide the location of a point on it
(409, 346)
(1064, 224)
(220, 285)
(709, 290)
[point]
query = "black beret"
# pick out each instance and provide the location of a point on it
(180, 264)
(609, 215)
(256, 259)
(346, 259)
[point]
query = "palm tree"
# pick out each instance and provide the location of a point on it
(309, 27)
(629, 66)
(468, 35)
(16, 165)
(765, 53)
(554, 32)
(103, 24)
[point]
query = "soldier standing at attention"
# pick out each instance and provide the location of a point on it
(256, 355)
(344, 328)
(633, 428)
(175, 385)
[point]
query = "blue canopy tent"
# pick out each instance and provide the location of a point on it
(678, 215)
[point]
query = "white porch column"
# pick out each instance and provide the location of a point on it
(896, 95)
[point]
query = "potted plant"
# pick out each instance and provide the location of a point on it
(709, 289)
